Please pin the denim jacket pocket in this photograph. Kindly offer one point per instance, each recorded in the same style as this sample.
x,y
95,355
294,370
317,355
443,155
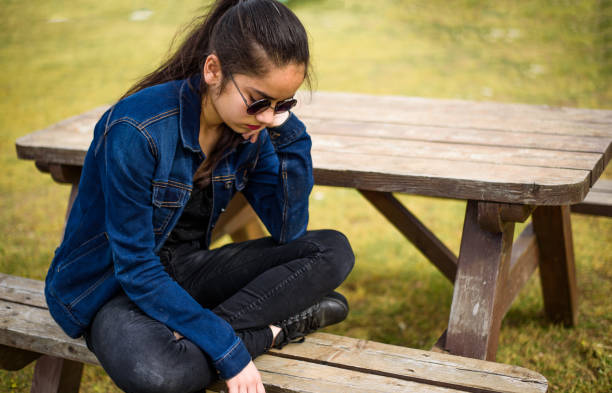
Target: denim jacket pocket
x,y
86,248
79,273
167,200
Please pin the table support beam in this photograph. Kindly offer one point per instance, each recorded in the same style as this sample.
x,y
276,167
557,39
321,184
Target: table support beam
x,y
56,375
14,358
523,263
478,298
552,225
415,231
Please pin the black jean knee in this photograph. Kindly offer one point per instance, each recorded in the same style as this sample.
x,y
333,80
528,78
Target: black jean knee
x,y
251,285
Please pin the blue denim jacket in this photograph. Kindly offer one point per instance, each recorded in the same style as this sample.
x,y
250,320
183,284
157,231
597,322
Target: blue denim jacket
x,y
136,179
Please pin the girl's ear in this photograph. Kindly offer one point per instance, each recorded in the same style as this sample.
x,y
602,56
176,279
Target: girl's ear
x,y
212,70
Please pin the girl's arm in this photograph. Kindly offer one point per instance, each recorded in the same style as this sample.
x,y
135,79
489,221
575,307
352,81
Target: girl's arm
x,y
279,186
127,162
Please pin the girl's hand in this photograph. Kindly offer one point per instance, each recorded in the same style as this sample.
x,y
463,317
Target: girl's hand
x,y
279,119
276,121
246,381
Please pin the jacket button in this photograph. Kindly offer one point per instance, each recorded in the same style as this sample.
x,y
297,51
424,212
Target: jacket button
x,y
228,185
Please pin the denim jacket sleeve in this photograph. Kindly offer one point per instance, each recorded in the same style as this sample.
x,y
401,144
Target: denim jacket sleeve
x,y
128,161
280,184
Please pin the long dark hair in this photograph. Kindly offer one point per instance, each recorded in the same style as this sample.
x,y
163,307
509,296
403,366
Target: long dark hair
x,y
247,36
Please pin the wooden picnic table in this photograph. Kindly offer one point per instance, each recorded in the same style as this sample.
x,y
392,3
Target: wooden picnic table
x,y
508,161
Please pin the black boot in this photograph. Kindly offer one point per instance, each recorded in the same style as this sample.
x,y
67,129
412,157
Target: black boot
x,y
332,309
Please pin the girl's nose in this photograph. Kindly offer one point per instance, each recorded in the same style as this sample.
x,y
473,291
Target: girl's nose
x,y
266,116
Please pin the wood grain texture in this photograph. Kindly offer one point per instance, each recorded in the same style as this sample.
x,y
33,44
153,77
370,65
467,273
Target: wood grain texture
x,y
282,375
452,179
552,225
425,366
33,329
448,148
22,290
323,363
450,133
598,201
603,185
56,375
523,263
458,113
74,191
478,297
63,173
13,359
460,152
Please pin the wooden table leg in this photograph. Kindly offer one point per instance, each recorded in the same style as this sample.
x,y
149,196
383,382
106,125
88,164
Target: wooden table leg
x,y
478,299
73,194
552,225
65,174
56,375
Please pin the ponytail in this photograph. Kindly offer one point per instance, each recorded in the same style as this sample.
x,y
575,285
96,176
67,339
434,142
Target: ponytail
x,y
247,36
189,58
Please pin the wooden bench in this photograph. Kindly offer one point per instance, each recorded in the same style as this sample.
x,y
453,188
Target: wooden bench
x,y
323,363
598,201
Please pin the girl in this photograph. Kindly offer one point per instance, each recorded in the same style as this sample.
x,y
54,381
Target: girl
x,y
134,274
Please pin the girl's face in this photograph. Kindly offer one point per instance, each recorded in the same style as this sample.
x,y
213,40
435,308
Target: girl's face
x,y
227,105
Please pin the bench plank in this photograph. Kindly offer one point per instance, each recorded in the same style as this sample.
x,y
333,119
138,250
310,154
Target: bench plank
x,y
299,376
598,201
603,185
401,362
324,362
22,290
33,329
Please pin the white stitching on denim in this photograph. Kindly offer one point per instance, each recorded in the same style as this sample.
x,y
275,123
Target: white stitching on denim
x,y
93,287
229,351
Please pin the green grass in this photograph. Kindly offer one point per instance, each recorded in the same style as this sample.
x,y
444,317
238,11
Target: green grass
x,y
541,52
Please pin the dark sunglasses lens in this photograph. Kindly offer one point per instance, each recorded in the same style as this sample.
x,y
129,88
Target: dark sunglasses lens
x,y
284,106
258,106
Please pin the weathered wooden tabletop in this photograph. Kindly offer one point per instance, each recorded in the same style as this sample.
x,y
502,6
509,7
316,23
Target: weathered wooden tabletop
x,y
505,159
509,153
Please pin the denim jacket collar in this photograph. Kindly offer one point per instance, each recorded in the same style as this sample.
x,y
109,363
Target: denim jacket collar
x,y
190,109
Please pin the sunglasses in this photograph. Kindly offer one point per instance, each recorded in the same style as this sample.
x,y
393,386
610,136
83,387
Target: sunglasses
x,y
263,104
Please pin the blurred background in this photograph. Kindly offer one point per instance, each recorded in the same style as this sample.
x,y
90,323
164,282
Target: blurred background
x,y
60,58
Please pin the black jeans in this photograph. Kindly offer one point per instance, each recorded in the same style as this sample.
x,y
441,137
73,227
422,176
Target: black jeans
x,y
251,285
